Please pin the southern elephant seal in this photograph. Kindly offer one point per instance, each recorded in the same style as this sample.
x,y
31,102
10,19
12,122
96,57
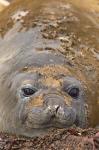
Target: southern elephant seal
x,y
40,88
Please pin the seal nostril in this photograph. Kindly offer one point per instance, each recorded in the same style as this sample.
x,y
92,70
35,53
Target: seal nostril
x,y
53,109
56,108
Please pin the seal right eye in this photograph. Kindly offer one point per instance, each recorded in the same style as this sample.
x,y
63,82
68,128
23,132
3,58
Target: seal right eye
x,y
74,92
27,91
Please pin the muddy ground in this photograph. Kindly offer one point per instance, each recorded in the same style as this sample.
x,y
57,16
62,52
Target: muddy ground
x,y
60,139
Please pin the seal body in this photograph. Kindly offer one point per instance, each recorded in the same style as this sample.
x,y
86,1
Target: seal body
x,y
3,4
40,88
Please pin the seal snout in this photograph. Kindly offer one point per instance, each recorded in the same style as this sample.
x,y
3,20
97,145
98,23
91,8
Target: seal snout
x,y
53,109
60,113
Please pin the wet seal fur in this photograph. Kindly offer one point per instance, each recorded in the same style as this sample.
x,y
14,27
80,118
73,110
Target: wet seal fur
x,y
40,87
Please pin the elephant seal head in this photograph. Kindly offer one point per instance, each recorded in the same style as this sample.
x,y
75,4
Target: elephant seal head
x,y
43,95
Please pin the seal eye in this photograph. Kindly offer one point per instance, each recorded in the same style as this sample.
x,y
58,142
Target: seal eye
x,y
74,92
27,91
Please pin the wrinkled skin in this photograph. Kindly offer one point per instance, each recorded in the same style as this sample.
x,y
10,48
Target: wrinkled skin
x,y
39,89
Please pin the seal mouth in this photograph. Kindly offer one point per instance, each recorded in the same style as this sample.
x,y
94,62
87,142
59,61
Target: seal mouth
x,y
50,120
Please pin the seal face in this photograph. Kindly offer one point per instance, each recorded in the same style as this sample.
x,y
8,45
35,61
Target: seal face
x,y
43,97
50,100
40,95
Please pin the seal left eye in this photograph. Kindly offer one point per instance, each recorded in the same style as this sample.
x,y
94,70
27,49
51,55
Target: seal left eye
x,y
27,91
